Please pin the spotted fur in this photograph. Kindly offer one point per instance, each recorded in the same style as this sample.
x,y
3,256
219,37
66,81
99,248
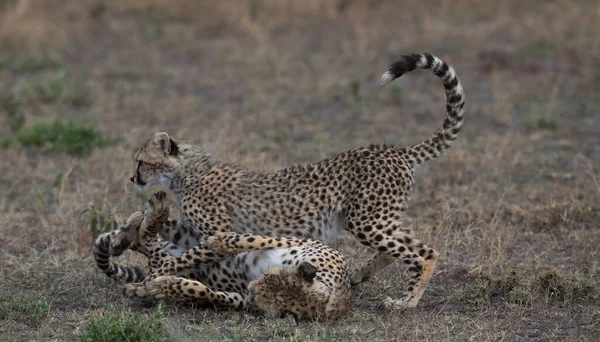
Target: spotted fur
x,y
364,191
277,275
102,253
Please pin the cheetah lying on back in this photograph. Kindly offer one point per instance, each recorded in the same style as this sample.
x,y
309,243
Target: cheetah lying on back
x,y
274,274
364,190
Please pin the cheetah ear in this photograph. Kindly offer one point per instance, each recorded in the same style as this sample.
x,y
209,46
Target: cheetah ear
x,y
165,142
307,271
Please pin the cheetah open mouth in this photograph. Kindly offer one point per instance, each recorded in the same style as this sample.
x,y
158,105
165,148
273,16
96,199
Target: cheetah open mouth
x,y
137,181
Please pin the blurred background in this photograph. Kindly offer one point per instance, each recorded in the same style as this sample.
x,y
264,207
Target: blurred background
x,y
513,207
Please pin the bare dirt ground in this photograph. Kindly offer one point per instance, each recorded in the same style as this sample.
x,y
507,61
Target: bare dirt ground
x,y
513,207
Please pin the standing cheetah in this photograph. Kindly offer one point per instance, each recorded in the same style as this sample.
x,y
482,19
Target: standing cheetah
x,y
364,190
277,275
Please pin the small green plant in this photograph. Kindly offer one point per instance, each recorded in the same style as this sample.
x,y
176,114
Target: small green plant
x,y
254,8
28,64
153,30
115,327
538,118
58,179
233,336
565,289
584,289
396,92
58,89
343,5
522,295
284,333
485,288
542,48
322,335
355,90
14,113
513,288
565,215
99,223
24,310
56,136
585,106
278,135
125,74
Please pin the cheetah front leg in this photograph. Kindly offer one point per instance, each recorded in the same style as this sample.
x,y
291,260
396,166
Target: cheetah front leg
x,y
180,234
145,240
197,255
147,288
190,260
178,288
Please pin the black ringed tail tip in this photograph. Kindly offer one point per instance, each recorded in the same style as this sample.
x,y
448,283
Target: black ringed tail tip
x,y
455,102
128,274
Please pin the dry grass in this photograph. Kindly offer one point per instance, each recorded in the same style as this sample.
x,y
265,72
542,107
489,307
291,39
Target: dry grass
x,y
513,207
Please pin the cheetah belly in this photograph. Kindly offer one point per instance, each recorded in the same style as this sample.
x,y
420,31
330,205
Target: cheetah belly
x,y
331,227
259,262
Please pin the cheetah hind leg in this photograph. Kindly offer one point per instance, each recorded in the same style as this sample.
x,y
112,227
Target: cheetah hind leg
x,y
220,245
420,259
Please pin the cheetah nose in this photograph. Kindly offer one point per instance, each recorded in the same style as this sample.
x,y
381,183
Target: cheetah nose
x,y
132,179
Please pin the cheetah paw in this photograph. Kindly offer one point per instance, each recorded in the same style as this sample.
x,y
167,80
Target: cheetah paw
x,y
163,288
395,304
126,236
135,220
142,290
218,243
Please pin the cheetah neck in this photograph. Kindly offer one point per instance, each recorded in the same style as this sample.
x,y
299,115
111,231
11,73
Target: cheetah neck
x,y
193,161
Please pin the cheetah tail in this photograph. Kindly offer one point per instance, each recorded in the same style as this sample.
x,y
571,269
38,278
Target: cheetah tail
x,y
455,102
127,274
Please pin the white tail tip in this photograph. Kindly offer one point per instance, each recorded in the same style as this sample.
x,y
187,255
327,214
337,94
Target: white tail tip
x,y
386,78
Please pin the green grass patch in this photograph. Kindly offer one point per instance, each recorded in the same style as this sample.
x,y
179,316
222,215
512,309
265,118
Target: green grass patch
x,y
511,287
125,74
116,327
396,92
14,114
99,222
56,136
319,334
541,48
57,89
539,118
483,289
585,106
564,289
24,310
29,64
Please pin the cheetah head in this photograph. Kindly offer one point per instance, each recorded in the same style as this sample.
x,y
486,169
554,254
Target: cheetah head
x,y
296,291
156,162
